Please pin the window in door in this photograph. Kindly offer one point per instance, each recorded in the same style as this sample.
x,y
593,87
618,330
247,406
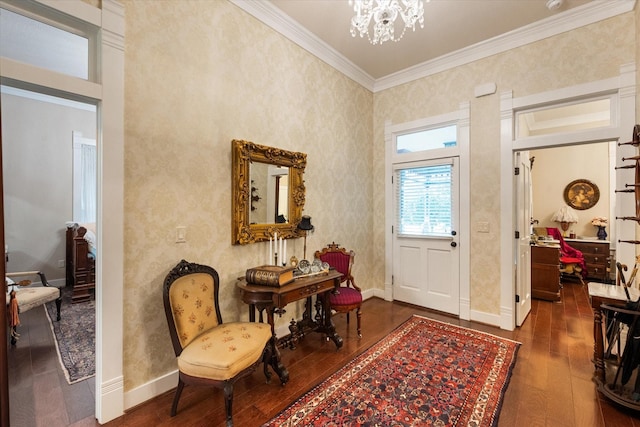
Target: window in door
x,y
424,200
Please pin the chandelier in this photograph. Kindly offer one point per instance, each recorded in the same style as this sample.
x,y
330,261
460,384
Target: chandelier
x,y
384,13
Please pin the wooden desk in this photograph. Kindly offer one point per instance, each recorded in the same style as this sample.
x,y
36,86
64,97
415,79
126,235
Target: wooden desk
x,y
274,299
601,293
545,272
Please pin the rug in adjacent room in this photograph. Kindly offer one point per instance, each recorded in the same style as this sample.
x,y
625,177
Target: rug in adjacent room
x,y
75,336
425,372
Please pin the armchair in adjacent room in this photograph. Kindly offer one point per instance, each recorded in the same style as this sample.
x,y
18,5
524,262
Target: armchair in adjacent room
x,y
348,296
208,351
22,297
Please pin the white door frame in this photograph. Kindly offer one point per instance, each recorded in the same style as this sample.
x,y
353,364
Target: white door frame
x,y
623,92
461,118
106,90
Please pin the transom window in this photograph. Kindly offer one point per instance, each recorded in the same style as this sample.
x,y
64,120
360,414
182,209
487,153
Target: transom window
x,y
429,139
569,117
35,43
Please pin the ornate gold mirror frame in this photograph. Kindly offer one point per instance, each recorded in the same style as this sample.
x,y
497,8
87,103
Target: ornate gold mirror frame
x,y
244,153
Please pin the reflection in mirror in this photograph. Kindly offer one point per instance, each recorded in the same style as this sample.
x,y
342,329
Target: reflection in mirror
x,y
268,192
282,203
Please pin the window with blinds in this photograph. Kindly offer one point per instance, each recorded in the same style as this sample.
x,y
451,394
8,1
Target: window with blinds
x,y
424,200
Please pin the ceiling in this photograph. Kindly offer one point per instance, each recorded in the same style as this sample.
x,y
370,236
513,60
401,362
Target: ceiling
x,y
452,29
330,20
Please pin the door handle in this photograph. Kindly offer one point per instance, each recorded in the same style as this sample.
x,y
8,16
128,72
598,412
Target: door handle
x,y
454,244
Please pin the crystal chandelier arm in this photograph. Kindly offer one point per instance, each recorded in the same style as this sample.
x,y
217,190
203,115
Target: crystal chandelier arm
x,y
384,14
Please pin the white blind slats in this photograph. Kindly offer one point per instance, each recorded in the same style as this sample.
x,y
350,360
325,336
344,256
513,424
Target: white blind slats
x,y
424,200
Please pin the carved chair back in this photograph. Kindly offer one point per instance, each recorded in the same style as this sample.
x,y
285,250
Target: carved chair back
x,y
191,305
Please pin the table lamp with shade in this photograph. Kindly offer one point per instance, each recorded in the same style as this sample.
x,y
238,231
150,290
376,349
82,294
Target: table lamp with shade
x,y
565,216
305,225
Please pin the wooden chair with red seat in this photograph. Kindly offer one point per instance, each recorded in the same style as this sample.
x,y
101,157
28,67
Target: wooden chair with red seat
x,y
348,296
572,261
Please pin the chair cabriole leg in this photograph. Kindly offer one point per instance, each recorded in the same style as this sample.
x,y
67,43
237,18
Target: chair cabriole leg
x,y
58,305
228,401
176,398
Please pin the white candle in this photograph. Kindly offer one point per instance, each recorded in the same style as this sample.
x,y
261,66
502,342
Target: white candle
x,y
270,251
281,252
284,253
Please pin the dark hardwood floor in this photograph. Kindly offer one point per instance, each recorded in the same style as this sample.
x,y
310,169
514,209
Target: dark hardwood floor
x,y
551,383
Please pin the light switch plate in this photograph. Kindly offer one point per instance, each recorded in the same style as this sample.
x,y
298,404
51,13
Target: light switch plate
x,y
181,234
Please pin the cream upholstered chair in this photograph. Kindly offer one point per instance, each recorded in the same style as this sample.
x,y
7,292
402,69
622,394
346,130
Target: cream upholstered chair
x,y
348,296
210,352
22,297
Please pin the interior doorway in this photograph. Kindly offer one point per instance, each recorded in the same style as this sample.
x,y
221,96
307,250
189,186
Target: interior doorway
x,y
551,170
619,94
99,33
38,176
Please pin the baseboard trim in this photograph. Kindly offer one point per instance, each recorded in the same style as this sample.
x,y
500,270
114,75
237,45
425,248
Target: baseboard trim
x,y
169,381
150,390
486,318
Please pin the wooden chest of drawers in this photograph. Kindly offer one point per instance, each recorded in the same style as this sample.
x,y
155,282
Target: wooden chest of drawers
x,y
545,273
596,256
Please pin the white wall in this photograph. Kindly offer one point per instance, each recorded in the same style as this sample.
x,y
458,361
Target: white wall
x,y
554,168
37,164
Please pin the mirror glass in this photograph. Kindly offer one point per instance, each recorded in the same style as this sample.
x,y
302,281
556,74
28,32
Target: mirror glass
x,y
268,192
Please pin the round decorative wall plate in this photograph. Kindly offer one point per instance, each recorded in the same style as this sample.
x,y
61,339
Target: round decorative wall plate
x,y
581,194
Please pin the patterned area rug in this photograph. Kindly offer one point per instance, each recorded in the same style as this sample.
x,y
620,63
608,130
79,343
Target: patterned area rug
x,y
75,336
424,373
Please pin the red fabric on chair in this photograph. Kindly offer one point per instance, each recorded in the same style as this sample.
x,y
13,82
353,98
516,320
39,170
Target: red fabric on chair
x,y
568,253
338,261
347,296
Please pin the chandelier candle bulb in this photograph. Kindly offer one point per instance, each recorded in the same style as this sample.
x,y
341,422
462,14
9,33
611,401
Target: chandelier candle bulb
x,y
382,15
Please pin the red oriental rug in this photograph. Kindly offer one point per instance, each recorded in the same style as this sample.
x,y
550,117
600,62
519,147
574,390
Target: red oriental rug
x,y
424,373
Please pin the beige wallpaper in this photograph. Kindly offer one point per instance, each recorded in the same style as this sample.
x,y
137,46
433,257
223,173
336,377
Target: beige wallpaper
x,y
199,74
591,53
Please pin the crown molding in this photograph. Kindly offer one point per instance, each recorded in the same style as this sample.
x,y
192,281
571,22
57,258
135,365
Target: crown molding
x,y
282,23
586,14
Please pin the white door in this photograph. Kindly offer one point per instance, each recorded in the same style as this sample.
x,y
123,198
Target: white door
x,y
524,216
425,256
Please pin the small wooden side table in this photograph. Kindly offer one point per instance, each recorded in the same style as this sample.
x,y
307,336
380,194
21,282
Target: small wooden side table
x,y
601,293
274,299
